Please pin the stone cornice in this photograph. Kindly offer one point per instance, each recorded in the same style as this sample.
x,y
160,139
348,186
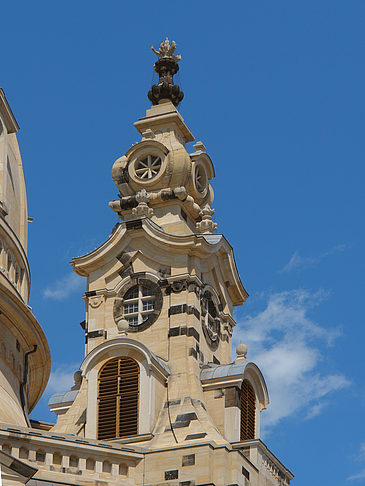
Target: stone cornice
x,y
168,116
118,343
7,115
51,439
193,245
19,316
13,242
247,444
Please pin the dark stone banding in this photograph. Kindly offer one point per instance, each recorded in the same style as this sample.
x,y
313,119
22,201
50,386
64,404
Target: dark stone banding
x,y
195,436
134,224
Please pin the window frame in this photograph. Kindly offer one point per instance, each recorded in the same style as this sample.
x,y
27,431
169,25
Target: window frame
x,y
248,408
126,378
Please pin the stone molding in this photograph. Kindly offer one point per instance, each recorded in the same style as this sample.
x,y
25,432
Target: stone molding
x,y
116,347
231,375
158,240
7,115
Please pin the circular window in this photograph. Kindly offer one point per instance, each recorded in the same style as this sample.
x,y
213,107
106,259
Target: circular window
x,y
139,305
210,321
148,167
200,178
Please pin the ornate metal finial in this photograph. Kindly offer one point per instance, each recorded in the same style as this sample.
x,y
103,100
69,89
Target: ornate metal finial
x,y
166,67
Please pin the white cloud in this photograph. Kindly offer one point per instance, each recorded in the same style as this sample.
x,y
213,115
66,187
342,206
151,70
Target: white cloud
x,y
362,452
316,410
360,475
61,378
61,289
286,343
360,457
297,262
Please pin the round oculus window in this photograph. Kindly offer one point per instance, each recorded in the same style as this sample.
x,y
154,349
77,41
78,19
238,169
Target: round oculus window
x,y
138,304
200,178
210,322
148,167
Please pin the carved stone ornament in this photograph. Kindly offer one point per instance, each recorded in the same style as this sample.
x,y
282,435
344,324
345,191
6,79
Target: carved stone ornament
x,y
96,301
142,210
183,284
206,225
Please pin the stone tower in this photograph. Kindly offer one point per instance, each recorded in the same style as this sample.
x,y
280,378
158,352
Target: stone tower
x,y
158,374
158,399
24,353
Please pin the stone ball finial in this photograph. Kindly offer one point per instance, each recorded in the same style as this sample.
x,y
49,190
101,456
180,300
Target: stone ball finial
x,y
123,326
77,380
77,377
241,351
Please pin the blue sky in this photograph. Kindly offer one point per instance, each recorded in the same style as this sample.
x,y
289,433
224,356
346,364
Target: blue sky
x,y
275,90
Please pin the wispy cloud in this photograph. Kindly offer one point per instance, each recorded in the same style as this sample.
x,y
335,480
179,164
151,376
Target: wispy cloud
x,y
360,457
297,262
61,378
63,287
288,346
354,477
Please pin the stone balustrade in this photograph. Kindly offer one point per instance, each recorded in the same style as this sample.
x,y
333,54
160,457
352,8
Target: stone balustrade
x,y
13,261
69,455
275,472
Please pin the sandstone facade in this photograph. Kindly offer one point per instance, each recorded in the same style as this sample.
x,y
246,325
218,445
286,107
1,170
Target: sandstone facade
x,y
158,399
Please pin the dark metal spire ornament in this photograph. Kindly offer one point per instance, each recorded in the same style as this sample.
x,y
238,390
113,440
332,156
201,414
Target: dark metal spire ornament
x,y
166,67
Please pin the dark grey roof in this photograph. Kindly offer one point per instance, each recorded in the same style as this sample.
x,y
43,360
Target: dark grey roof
x,y
65,397
222,371
20,467
212,239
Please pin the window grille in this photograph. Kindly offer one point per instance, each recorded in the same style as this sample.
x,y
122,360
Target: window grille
x,y
248,411
148,167
139,303
118,398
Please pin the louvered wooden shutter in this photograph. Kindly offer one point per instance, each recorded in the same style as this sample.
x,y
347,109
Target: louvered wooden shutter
x,y
248,411
118,394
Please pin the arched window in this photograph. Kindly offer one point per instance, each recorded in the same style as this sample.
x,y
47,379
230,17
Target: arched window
x,y
118,390
6,448
23,453
90,464
74,461
57,459
248,411
40,456
107,467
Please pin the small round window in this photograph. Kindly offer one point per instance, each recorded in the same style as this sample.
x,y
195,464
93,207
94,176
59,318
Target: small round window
x,y
148,167
200,178
210,321
138,304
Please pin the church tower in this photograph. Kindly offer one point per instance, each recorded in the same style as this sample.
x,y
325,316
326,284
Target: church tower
x,y
24,352
158,375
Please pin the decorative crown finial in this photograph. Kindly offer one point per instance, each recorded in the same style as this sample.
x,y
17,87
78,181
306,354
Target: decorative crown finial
x,y
167,50
166,67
